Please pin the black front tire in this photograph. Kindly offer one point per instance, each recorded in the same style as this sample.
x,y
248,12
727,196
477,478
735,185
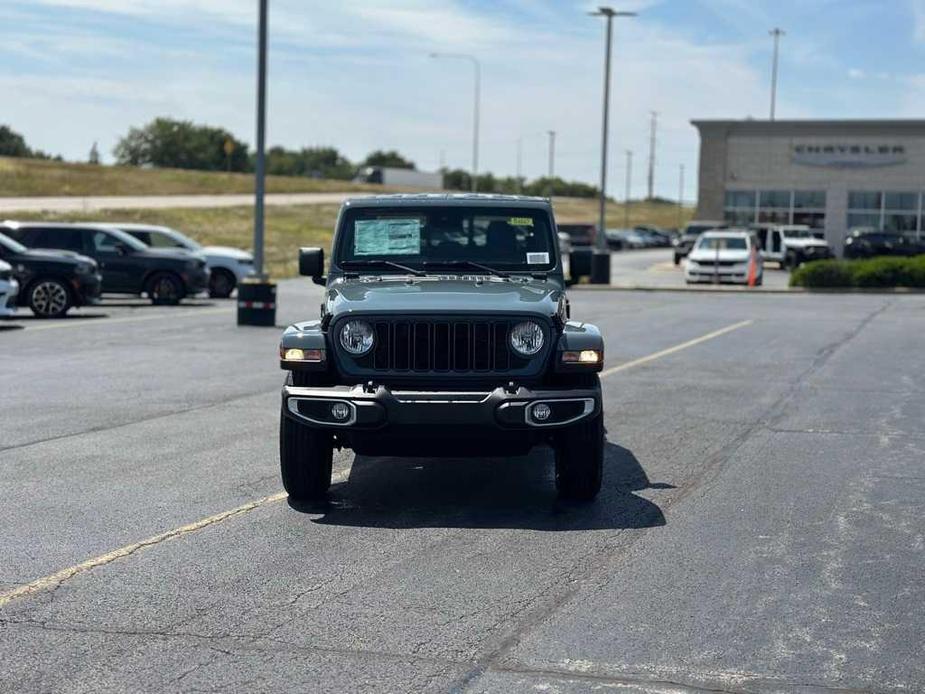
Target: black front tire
x,y
305,459
580,460
221,283
49,298
165,289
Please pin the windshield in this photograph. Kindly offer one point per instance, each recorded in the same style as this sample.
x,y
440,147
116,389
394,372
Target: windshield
x,y
127,239
172,237
722,243
514,239
11,245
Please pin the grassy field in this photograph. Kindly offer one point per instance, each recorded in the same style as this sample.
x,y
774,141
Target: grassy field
x,y
35,177
291,226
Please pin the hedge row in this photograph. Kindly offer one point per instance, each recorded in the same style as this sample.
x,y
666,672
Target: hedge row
x,y
868,273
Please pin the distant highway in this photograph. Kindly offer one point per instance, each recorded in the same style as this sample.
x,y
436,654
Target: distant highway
x,y
139,202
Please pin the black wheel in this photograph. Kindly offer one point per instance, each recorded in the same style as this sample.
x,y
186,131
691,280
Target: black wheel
x,y
790,261
580,460
305,459
165,289
49,298
221,283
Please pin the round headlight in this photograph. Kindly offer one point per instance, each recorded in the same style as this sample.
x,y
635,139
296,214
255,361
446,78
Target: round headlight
x,y
527,338
357,337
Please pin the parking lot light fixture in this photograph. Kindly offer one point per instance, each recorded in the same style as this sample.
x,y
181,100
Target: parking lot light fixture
x,y
477,67
600,269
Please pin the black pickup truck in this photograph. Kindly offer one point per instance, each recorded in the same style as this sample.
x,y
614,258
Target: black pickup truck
x,y
444,331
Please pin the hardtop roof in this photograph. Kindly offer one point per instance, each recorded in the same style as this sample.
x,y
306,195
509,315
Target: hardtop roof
x,y
449,200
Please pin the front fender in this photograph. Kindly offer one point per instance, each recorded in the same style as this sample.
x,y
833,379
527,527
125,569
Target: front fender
x,y
305,336
575,337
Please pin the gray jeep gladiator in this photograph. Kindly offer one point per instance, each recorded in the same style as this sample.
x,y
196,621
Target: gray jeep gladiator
x,y
444,332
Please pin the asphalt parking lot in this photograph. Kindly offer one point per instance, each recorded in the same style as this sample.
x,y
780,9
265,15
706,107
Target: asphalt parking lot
x,y
760,527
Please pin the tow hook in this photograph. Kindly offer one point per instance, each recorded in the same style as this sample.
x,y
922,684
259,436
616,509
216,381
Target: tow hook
x,y
369,387
510,388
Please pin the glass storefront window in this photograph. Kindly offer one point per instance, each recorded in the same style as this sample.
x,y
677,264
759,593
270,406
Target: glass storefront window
x,y
900,222
739,217
774,198
740,198
774,216
863,220
901,201
815,220
803,199
864,200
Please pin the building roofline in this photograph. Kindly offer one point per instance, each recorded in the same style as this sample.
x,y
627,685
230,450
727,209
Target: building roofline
x,y
867,122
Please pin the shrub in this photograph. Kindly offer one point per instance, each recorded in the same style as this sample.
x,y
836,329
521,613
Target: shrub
x,y
821,274
871,273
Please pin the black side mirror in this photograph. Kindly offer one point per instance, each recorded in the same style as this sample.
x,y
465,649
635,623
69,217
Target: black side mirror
x,y
122,249
311,264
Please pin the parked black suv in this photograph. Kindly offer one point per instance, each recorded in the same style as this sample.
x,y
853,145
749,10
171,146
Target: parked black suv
x,y
444,331
867,243
128,266
51,282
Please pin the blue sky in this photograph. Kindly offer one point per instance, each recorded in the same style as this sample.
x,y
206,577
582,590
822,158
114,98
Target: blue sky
x,y
356,74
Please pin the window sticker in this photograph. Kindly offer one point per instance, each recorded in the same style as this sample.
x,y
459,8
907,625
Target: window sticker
x,y
537,258
396,236
521,221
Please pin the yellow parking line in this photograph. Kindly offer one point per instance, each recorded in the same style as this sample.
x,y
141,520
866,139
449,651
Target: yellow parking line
x,y
56,579
671,350
74,323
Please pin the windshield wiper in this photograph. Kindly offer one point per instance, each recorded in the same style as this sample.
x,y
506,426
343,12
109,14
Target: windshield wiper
x,y
465,263
383,263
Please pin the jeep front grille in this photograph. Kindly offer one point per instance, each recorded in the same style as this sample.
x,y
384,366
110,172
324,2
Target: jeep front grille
x,y
442,346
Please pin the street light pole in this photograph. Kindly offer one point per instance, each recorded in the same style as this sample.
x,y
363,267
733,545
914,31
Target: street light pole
x,y
629,179
260,168
552,152
477,66
600,264
776,32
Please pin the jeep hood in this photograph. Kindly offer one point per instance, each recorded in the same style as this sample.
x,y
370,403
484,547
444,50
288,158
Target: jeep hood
x,y
399,295
805,243
710,255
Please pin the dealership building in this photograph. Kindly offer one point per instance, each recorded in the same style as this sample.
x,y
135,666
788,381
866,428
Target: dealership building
x,y
833,175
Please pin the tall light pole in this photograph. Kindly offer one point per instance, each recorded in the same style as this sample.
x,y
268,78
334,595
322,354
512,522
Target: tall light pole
x,y
260,164
680,195
520,157
651,178
629,179
776,32
477,66
552,152
600,263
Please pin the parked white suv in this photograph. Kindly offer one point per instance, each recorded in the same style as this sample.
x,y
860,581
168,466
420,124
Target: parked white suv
x,y
724,256
9,290
791,245
228,266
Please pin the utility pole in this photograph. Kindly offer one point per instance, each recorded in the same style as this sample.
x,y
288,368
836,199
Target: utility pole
x,y
680,195
629,179
552,152
600,262
776,32
520,156
477,67
260,164
651,181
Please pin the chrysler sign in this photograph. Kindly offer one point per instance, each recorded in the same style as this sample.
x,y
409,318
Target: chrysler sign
x,y
848,156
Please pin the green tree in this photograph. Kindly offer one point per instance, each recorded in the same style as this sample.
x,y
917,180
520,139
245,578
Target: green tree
x,y
169,143
389,158
12,144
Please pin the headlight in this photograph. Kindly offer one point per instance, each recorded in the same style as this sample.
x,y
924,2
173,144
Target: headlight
x,y
357,337
84,268
527,338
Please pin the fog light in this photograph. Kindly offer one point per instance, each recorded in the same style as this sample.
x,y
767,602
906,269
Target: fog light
x,y
340,411
541,412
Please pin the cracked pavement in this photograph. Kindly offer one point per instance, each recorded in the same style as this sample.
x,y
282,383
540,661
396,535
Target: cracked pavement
x,y
760,528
